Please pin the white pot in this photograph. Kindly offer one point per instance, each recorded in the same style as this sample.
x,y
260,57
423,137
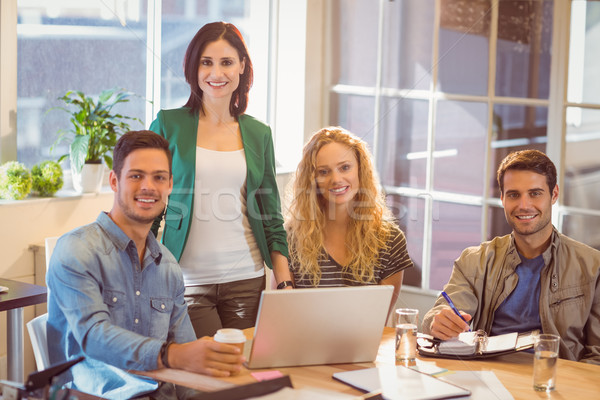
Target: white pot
x,y
89,180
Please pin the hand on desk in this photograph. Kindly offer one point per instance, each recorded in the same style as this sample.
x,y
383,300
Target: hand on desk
x,y
446,324
205,356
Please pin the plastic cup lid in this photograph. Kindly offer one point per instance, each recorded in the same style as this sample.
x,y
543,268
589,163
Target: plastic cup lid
x,y
229,335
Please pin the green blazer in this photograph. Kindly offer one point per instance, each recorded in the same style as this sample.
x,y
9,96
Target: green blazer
x,y
179,127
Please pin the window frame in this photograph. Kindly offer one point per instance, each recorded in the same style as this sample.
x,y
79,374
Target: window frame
x,y
556,104
8,81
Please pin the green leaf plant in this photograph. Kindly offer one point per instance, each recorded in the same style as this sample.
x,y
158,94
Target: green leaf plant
x,y
95,126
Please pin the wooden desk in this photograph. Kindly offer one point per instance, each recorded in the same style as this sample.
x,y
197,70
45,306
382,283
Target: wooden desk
x,y
575,380
19,295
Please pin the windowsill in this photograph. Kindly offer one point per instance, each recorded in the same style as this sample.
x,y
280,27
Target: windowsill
x,y
68,194
61,195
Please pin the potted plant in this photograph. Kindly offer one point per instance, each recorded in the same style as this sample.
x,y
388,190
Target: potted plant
x,y
94,133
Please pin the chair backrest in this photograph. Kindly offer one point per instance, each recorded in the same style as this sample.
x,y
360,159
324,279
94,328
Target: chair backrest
x,y
39,343
50,243
37,326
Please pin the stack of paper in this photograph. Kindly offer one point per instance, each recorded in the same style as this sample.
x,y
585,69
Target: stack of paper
x,y
465,344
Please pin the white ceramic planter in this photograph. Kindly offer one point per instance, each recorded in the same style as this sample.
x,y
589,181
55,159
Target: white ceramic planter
x,y
89,180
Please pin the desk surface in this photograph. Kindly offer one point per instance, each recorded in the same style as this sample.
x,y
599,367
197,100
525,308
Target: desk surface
x,y
20,295
575,380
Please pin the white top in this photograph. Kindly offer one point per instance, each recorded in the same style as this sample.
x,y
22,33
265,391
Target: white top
x,y
221,246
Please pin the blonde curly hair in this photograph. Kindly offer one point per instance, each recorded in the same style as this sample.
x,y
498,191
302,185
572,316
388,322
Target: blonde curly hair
x,y
371,222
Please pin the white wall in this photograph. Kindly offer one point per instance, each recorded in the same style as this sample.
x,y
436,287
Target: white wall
x,y
29,222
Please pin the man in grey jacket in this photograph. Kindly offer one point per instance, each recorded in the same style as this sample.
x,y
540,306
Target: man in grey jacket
x,y
534,278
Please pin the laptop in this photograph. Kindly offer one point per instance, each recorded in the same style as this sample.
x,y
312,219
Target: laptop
x,y
319,326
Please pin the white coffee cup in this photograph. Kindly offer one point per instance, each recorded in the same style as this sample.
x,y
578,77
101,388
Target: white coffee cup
x,y
231,336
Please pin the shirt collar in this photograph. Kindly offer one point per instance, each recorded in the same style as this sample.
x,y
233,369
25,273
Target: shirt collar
x,y
551,250
121,240
547,254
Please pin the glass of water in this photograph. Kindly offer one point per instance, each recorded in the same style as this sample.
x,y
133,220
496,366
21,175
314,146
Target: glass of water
x,y
406,334
544,362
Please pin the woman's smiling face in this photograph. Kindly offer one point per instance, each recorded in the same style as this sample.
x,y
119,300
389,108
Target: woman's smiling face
x,y
336,173
220,69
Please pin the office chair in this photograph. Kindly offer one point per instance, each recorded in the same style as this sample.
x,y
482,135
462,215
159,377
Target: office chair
x,y
37,326
50,243
39,343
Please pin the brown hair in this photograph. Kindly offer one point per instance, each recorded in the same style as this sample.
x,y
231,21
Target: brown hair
x,y
528,160
211,33
136,140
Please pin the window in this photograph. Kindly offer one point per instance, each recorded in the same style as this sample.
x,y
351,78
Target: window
x,y
581,187
442,90
85,46
94,45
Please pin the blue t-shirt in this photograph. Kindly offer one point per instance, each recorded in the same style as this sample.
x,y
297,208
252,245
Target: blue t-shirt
x,y
520,311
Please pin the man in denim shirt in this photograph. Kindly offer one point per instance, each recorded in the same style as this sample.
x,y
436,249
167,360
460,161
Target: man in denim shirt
x,y
116,293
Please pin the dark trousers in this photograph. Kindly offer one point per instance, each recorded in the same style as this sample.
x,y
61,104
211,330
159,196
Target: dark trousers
x,y
225,305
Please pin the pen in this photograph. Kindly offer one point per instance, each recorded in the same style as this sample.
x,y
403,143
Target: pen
x,y
453,307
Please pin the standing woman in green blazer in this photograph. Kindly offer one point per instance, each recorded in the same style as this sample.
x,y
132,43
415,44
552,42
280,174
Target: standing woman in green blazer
x,y
223,220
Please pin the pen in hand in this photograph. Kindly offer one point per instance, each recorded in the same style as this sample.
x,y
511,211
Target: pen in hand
x,y
453,307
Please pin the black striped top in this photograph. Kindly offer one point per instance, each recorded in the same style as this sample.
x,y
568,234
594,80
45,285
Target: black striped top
x,y
393,259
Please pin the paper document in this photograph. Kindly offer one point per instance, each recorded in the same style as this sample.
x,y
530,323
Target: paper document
x,y
525,341
504,342
483,385
399,382
429,368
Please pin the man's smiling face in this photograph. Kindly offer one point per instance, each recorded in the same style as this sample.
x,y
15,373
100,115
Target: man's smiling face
x,y
527,202
143,187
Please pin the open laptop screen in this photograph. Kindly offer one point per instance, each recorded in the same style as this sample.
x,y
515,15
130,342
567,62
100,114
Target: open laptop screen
x,y
319,326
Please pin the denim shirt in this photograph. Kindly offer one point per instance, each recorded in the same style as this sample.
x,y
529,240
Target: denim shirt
x,y
104,306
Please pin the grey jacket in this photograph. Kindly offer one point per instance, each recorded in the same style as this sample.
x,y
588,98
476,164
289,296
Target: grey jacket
x,y
484,276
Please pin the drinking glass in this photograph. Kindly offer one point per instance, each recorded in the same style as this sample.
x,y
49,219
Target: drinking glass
x,y
544,362
406,334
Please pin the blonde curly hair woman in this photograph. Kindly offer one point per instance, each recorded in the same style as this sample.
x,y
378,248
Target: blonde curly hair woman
x,y
340,231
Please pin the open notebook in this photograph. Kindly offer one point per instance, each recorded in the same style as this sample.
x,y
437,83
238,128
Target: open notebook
x,y
476,344
319,326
